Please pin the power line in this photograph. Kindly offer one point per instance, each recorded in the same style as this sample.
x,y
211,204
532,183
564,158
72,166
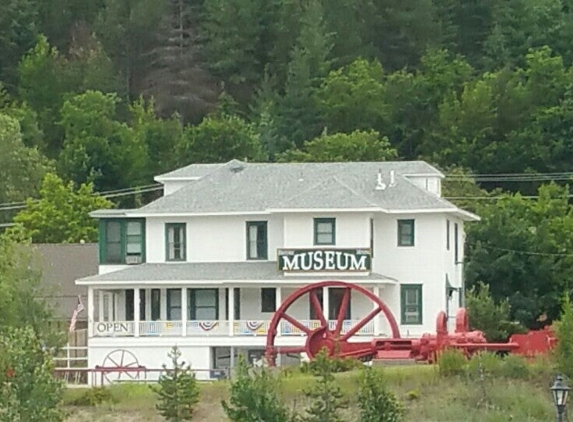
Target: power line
x,y
132,191
527,252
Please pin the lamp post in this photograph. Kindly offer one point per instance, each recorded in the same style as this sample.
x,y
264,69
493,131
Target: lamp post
x,y
560,392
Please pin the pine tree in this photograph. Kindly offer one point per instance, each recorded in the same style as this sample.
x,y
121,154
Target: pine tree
x,y
178,391
254,398
376,402
326,395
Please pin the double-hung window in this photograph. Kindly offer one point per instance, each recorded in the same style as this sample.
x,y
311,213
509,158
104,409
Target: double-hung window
x,y
122,241
411,304
324,231
203,304
257,240
175,242
173,304
406,232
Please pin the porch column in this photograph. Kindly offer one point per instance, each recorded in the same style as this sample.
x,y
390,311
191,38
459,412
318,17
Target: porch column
x,y
376,292
90,311
325,301
184,311
100,305
136,315
231,311
278,302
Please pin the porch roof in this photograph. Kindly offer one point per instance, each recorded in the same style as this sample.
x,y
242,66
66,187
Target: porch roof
x,y
218,272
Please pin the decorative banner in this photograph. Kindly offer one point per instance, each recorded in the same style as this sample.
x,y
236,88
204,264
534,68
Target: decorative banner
x,y
208,325
346,260
253,325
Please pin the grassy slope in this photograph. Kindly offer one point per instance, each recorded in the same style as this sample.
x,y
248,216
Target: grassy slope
x,y
426,396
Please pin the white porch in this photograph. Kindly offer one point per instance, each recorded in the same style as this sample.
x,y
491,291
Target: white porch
x,y
203,311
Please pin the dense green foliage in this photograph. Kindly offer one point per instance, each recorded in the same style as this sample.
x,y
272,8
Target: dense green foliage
x,y
377,403
564,334
28,390
177,390
254,397
116,91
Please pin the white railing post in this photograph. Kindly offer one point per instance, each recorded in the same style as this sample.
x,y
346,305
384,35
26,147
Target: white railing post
x,y
376,292
184,311
136,315
90,311
231,312
278,303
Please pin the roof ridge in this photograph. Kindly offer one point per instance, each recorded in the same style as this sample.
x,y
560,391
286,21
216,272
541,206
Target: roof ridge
x,y
433,195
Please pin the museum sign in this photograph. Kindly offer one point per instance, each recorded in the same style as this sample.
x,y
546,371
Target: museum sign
x,y
302,260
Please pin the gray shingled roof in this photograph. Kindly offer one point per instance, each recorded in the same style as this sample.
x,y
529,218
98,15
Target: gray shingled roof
x,y
205,272
191,171
258,187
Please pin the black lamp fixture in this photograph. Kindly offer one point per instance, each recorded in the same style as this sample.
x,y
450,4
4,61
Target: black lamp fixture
x,y
560,392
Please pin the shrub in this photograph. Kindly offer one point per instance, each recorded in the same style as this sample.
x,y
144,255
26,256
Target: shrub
x,y
28,389
485,363
515,367
564,334
177,390
376,402
335,365
451,362
490,317
254,398
326,395
93,397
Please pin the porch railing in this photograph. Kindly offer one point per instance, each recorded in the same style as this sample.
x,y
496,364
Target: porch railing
x,y
241,328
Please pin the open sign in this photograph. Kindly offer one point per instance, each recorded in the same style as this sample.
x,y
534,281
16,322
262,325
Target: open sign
x,y
113,327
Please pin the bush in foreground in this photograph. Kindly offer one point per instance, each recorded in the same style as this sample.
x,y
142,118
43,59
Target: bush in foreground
x,y
177,390
376,402
29,392
564,334
255,398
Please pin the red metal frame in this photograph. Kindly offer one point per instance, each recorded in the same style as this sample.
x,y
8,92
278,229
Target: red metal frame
x,y
426,348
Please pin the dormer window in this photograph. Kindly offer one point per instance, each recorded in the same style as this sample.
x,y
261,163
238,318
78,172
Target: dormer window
x,y
324,231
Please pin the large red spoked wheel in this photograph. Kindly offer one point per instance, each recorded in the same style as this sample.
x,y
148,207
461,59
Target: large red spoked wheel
x,y
336,342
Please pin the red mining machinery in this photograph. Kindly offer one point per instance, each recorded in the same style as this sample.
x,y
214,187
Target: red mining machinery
x,y
342,341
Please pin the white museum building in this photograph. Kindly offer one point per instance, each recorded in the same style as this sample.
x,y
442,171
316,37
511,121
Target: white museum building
x,y
205,266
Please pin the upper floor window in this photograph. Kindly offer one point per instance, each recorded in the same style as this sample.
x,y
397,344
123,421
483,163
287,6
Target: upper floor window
x,y
405,232
324,231
122,241
411,303
257,240
175,242
447,235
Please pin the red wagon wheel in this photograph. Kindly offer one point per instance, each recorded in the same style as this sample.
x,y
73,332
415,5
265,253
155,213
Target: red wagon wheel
x,y
336,342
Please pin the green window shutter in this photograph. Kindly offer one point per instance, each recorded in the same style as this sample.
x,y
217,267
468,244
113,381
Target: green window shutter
x,y
406,232
325,231
192,310
411,301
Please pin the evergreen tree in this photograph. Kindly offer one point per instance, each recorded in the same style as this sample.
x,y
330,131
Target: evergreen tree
x,y
254,398
177,390
326,395
376,402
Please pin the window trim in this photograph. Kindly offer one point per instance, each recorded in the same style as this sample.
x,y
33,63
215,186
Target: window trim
x,y
273,292
403,289
330,220
265,254
192,307
102,239
411,222
182,226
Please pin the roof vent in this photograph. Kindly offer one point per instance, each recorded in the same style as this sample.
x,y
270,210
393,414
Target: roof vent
x,y
236,167
392,179
380,185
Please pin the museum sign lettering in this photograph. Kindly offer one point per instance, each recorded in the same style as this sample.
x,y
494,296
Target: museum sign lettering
x,y
291,260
